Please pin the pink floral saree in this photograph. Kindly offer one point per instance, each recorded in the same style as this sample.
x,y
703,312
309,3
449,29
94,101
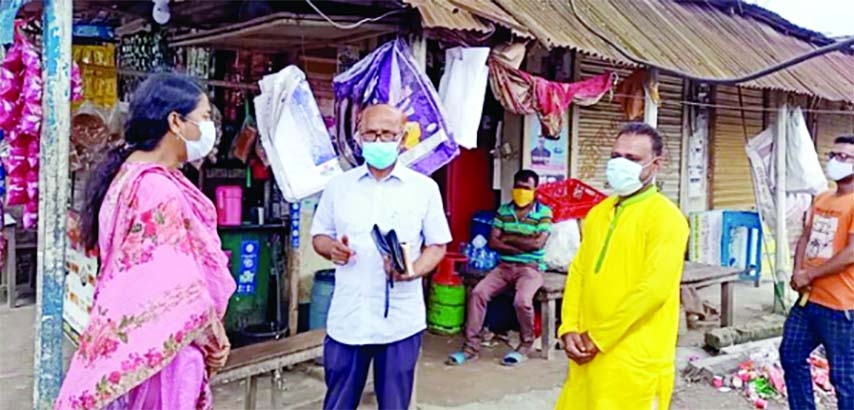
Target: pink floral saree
x,y
155,333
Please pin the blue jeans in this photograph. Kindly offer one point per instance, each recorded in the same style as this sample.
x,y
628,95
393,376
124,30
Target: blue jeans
x,y
806,328
346,371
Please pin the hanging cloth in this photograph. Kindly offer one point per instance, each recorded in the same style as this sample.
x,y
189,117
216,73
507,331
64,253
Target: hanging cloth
x,y
524,93
631,92
462,90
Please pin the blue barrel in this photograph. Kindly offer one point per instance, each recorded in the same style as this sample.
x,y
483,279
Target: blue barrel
x,y
321,297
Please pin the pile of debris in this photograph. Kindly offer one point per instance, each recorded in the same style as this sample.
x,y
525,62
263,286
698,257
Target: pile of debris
x,y
760,379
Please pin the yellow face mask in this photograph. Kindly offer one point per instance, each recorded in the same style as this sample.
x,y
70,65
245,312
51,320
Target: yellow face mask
x,y
523,197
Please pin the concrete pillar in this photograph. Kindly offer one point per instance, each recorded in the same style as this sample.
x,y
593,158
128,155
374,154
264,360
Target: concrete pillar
x,y
53,201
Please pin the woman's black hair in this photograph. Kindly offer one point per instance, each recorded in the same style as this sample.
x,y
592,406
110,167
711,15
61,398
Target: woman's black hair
x,y
146,125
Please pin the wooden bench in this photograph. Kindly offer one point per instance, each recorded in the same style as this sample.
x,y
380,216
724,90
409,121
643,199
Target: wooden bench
x,y
250,362
547,297
694,275
698,276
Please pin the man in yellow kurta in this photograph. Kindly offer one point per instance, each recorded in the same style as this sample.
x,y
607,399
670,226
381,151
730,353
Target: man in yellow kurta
x,y
621,303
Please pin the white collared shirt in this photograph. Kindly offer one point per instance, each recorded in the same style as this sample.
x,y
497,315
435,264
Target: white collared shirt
x,y
409,203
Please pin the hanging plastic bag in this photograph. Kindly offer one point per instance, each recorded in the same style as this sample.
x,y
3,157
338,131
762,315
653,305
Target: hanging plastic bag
x,y
562,245
241,148
391,75
803,169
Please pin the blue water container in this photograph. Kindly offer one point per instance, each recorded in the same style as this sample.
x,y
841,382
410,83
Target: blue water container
x,y
321,297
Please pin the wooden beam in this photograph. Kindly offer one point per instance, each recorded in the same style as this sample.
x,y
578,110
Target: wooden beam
x,y
54,186
781,260
686,145
650,107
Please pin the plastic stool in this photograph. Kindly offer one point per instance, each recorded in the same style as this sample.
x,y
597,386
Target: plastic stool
x,y
752,252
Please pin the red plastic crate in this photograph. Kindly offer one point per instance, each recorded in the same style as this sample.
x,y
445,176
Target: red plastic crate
x,y
569,199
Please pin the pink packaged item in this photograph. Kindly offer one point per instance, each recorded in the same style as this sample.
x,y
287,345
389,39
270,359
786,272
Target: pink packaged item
x,y
29,56
76,83
15,138
16,190
16,162
31,214
12,60
9,113
33,185
33,154
29,124
229,205
31,108
31,91
10,84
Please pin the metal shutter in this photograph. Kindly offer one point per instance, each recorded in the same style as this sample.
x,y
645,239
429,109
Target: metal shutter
x,y
732,184
599,124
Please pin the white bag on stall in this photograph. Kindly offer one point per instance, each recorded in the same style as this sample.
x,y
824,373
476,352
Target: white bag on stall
x,y
463,89
294,135
804,173
562,245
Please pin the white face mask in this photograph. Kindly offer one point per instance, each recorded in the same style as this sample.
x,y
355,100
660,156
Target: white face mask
x,y
624,176
200,148
837,170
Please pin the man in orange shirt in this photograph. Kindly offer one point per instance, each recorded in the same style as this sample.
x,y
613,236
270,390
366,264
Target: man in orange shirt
x,y
824,273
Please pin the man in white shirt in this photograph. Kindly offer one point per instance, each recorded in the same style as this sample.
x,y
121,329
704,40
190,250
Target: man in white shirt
x,y
373,319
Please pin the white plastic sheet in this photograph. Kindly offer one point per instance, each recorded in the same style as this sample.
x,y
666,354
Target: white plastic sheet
x,y
462,90
804,176
562,245
294,135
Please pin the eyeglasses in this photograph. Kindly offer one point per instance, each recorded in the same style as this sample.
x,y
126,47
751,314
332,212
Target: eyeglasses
x,y
373,136
841,156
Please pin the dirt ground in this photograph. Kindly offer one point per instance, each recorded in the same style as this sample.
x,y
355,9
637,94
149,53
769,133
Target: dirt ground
x,y
484,384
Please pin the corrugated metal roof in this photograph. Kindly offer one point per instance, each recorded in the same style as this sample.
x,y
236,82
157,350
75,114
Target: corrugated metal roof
x,y
695,38
493,12
442,14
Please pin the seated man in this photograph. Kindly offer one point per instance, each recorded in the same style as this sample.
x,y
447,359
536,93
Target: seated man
x,y
519,235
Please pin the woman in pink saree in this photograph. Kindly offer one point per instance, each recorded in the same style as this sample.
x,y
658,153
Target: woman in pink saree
x,y
155,334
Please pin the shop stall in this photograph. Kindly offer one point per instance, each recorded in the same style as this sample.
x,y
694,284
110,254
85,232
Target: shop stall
x,y
259,224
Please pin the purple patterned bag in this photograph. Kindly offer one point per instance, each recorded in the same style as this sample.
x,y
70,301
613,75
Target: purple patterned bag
x,y
390,75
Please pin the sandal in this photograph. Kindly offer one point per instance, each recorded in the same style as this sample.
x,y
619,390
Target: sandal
x,y
460,358
513,359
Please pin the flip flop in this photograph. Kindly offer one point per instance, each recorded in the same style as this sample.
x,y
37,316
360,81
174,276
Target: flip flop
x,y
460,358
513,359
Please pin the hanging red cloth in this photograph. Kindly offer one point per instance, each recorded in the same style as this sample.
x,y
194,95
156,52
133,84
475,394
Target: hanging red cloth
x,y
524,94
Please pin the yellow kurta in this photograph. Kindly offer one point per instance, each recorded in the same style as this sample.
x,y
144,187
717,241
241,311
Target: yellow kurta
x,y
623,288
